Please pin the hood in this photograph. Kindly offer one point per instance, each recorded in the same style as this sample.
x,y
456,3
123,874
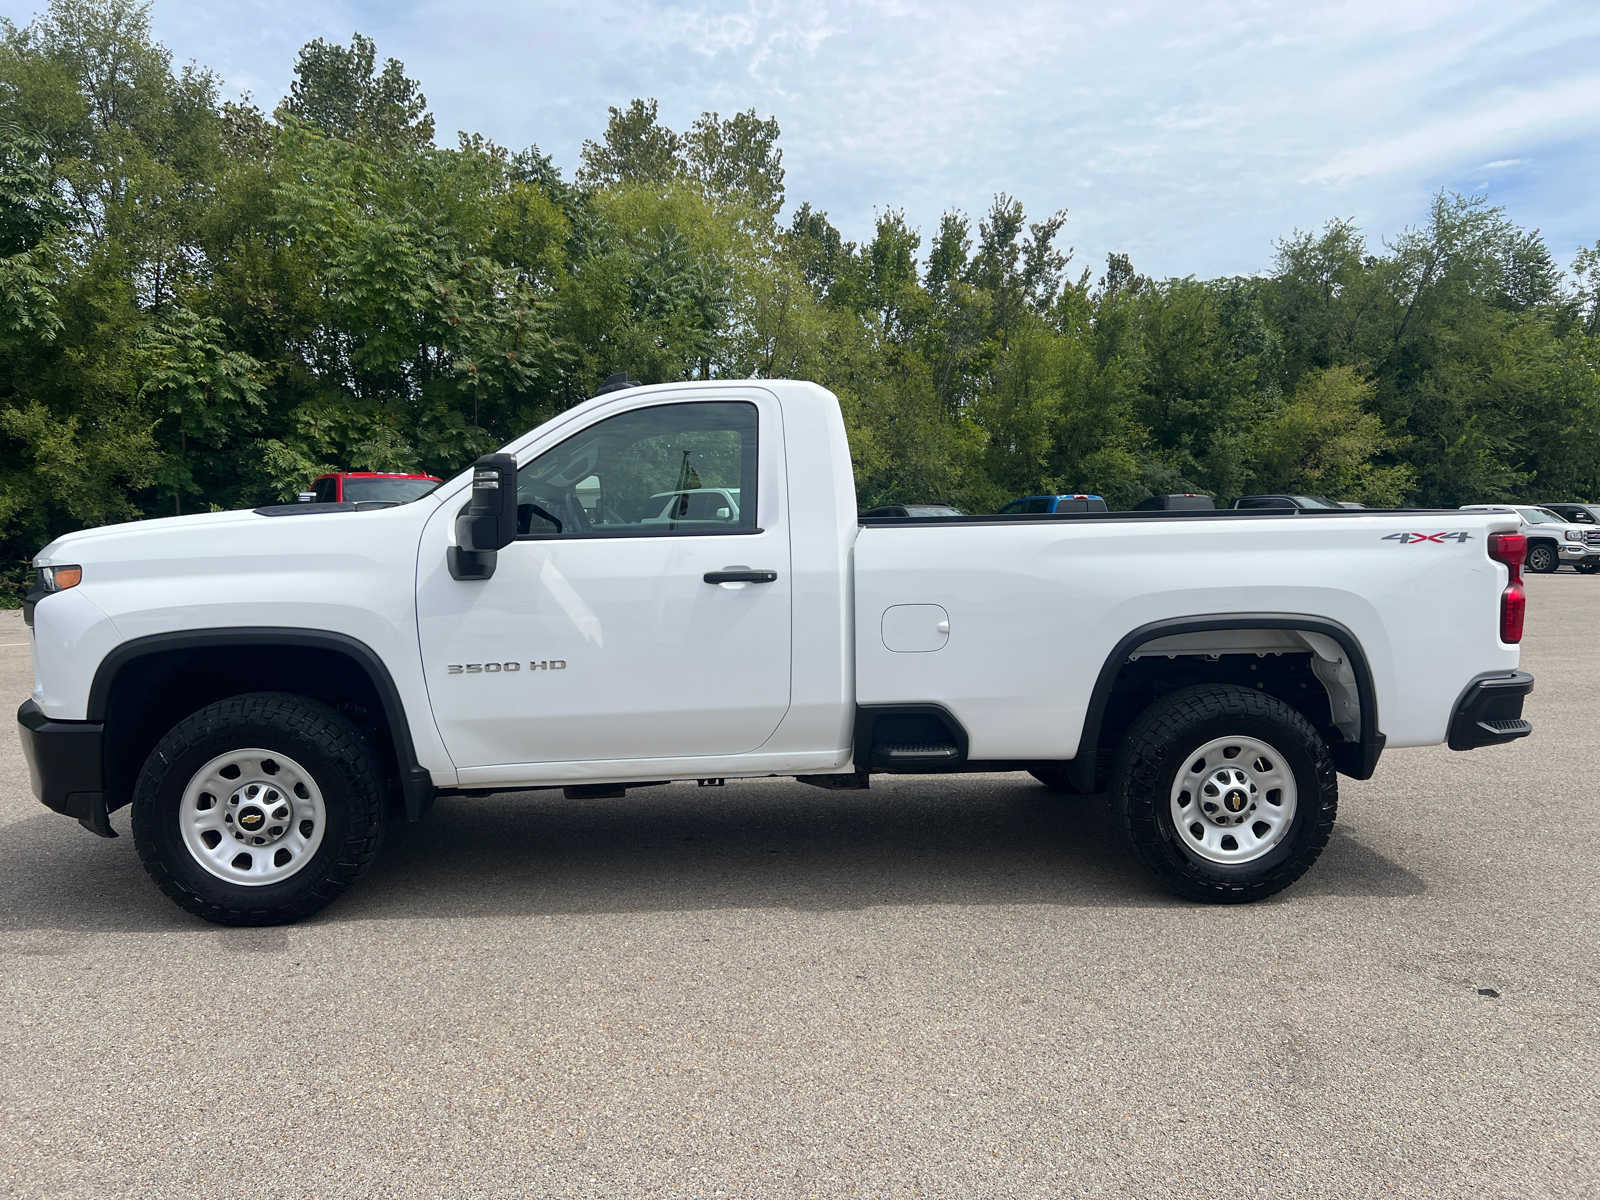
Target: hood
x,y
231,533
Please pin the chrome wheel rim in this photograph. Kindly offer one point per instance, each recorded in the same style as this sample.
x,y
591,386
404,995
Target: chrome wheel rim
x,y
1233,800
252,817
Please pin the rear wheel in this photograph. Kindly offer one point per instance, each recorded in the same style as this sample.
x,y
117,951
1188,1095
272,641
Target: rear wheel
x,y
1542,558
259,810
1225,794
1588,566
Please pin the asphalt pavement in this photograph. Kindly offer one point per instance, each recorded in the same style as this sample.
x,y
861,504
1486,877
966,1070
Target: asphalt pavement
x,y
956,987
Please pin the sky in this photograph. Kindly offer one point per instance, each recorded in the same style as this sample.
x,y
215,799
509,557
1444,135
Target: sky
x,y
1188,135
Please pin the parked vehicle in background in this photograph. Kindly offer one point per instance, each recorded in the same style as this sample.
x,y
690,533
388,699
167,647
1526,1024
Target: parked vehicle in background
x,y
1287,502
366,487
1072,502
1577,514
1551,539
914,510
1176,502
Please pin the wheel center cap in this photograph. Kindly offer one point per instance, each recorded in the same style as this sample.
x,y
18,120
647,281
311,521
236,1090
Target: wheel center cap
x,y
259,813
1228,796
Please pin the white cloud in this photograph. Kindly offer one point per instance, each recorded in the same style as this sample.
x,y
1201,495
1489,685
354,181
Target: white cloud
x,y
1508,119
1188,134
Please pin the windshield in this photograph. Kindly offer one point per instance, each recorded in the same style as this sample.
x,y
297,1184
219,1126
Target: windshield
x,y
1316,502
1540,516
932,510
400,491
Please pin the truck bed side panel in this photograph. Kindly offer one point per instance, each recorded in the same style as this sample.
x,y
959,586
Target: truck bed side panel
x,y
1035,608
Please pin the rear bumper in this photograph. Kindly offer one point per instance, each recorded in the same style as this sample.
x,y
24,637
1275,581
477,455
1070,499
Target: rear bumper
x,y
64,763
1489,712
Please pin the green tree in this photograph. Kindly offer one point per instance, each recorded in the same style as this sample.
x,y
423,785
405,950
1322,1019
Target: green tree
x,y
636,148
340,90
204,305
1325,441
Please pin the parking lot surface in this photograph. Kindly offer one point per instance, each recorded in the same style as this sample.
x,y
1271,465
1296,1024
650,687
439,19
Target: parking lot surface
x,y
953,987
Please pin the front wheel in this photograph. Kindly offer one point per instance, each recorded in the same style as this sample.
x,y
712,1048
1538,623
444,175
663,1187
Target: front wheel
x,y
1543,559
259,810
1225,794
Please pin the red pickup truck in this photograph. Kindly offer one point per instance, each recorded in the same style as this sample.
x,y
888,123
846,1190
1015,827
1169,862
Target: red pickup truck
x,y
358,486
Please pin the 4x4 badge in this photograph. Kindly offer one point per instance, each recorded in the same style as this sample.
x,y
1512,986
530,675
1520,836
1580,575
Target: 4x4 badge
x,y
1406,539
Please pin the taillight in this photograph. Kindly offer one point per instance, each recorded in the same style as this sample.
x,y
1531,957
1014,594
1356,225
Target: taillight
x,y
1513,607
1511,549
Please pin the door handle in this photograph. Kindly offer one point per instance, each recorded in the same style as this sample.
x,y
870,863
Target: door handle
x,y
740,574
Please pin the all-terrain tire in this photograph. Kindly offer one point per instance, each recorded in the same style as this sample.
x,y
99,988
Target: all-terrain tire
x,y
1163,740
1587,567
321,743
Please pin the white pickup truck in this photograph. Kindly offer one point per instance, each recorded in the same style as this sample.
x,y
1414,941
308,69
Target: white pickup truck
x,y
266,688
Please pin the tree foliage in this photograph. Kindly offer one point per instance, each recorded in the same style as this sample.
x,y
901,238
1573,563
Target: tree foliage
x,y
202,305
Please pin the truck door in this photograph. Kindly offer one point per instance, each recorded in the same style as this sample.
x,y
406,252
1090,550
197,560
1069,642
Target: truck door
x,y
599,636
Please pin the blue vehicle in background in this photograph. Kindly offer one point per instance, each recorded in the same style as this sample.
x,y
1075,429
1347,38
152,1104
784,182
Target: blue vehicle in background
x,y
1054,504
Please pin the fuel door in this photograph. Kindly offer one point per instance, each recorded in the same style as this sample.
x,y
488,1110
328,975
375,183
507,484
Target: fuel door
x,y
915,628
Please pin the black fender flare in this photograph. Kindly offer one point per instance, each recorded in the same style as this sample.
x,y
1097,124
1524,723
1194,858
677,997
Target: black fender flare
x,y
1357,759
415,781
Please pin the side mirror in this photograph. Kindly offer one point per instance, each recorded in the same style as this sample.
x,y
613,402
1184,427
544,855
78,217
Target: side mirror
x,y
307,497
489,522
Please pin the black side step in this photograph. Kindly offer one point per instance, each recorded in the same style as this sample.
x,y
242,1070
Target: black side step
x,y
1521,727
916,752
908,737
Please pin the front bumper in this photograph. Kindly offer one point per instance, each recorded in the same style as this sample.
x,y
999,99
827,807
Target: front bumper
x,y
1489,712
64,762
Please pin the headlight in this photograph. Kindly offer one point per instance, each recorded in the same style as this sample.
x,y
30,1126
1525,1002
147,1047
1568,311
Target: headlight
x,y
59,579
1574,535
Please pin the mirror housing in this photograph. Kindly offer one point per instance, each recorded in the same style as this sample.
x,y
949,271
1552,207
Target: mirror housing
x,y
489,522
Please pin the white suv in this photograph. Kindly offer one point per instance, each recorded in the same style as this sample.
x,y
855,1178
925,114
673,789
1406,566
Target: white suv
x,y
1551,539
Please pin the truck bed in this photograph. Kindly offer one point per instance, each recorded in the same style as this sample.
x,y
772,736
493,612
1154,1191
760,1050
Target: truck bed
x,y
1039,604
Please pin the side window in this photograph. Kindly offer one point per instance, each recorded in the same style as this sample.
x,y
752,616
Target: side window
x,y
1014,507
327,490
672,469
1038,504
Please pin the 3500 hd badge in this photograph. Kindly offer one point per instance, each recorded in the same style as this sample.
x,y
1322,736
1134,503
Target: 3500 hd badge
x,y
553,664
